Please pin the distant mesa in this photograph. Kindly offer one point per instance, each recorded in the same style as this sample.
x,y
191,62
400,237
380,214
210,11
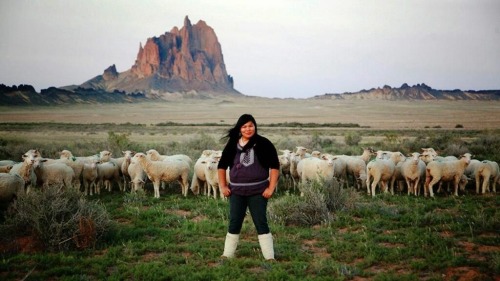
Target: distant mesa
x,y
416,92
182,60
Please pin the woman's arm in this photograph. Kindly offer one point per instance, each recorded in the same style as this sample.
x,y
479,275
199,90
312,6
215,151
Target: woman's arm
x,y
223,183
273,182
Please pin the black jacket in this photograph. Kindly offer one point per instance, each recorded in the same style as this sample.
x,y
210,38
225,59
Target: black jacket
x,y
264,150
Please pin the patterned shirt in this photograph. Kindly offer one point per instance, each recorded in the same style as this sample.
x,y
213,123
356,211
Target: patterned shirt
x,y
247,176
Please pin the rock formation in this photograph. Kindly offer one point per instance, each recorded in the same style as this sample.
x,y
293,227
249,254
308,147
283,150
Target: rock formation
x,y
416,92
182,60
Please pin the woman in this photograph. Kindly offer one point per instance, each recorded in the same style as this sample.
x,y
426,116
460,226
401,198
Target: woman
x,y
254,171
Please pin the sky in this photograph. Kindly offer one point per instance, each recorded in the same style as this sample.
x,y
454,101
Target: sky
x,y
273,48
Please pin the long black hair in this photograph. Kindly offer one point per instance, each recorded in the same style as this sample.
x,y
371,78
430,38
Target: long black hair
x,y
233,134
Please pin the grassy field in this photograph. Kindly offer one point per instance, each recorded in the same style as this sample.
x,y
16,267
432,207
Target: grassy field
x,y
396,237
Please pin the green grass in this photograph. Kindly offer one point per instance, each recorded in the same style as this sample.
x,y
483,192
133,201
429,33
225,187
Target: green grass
x,y
396,237
176,238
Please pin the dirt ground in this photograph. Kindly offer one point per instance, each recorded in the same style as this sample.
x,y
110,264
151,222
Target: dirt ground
x,y
367,113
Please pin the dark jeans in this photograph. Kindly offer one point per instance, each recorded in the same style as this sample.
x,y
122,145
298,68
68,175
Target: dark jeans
x,y
257,205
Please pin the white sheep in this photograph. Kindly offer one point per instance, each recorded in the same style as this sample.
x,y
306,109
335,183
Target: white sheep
x,y
7,162
108,173
25,169
11,185
485,172
137,176
154,155
382,172
167,171
67,158
355,167
212,177
295,158
340,171
316,169
89,177
199,181
6,169
284,159
368,152
413,172
58,174
445,171
127,156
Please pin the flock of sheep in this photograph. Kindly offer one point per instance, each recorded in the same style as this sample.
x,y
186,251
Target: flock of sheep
x,y
383,169
371,169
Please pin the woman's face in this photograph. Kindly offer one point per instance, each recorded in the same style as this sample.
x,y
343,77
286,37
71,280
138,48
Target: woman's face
x,y
247,130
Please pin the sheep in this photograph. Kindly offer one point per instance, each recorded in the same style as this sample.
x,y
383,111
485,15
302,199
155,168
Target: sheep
x,y
25,169
168,171
212,177
445,171
127,156
199,180
413,172
382,171
6,169
137,176
316,154
7,163
383,154
11,185
486,171
316,169
295,158
367,154
154,155
284,159
53,174
340,170
354,166
67,158
89,178
107,174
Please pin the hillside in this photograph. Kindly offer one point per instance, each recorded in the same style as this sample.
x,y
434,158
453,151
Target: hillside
x,y
416,92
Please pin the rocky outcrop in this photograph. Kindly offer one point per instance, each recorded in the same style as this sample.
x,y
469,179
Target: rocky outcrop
x,y
416,92
26,95
182,60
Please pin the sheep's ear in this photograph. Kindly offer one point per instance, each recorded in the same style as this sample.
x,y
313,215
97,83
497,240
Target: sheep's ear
x,y
43,160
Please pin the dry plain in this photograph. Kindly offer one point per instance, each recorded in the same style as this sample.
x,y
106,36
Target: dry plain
x,y
370,114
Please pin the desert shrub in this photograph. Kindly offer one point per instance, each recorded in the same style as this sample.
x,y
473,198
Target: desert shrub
x,y
317,206
459,126
118,142
352,138
58,220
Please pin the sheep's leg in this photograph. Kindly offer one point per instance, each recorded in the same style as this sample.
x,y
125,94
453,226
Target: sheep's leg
x,y
214,189
368,184
156,187
185,184
456,182
410,186
375,182
430,186
478,182
416,187
486,183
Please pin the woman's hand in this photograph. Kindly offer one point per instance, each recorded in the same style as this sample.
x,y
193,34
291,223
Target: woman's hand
x,y
225,190
268,192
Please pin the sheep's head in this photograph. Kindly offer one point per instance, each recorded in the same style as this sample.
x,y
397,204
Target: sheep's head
x,y
105,155
30,156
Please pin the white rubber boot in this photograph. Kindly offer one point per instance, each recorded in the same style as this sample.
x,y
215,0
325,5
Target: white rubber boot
x,y
266,246
230,245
